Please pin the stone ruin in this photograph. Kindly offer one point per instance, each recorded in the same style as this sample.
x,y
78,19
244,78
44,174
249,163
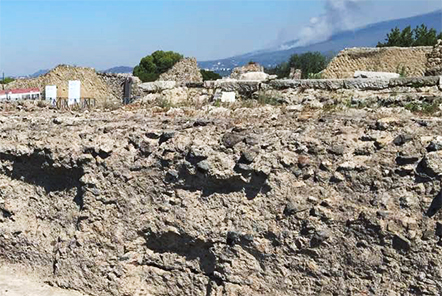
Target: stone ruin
x,y
434,63
105,88
183,72
251,67
409,60
295,73
184,81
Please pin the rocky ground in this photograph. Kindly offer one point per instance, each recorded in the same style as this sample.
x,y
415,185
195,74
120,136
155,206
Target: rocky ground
x,y
18,281
251,201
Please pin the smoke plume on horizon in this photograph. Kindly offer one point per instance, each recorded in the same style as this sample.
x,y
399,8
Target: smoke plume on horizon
x,y
339,15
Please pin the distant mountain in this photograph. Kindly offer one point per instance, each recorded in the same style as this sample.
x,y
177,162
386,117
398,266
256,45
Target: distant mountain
x,y
367,36
34,75
39,73
119,69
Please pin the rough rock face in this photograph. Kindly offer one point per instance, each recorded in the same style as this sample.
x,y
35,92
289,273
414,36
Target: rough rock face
x,y
265,201
157,86
434,63
103,87
410,60
252,67
115,81
183,72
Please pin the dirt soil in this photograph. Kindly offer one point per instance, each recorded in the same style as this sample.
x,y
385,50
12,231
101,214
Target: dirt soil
x,y
17,280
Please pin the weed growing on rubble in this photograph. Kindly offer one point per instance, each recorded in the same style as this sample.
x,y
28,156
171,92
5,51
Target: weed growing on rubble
x,y
330,107
402,71
424,107
265,98
165,104
250,103
268,100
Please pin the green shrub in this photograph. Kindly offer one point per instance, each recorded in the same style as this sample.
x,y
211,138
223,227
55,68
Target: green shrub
x,y
315,75
6,80
402,71
151,66
310,63
209,75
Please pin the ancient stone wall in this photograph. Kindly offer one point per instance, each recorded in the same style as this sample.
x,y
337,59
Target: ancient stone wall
x,y
251,67
104,87
92,84
410,61
115,82
434,63
295,91
183,71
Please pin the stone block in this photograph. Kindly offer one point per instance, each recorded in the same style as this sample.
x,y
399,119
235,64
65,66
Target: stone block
x,y
285,83
157,86
414,81
366,84
254,76
324,84
369,74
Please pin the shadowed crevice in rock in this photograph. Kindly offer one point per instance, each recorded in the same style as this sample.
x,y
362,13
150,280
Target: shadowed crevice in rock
x,y
209,184
38,169
5,213
435,206
183,245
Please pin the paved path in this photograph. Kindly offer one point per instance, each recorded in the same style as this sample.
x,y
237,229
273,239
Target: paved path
x,y
15,282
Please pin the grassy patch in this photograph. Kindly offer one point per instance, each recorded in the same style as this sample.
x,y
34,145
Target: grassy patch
x,y
330,107
424,107
264,99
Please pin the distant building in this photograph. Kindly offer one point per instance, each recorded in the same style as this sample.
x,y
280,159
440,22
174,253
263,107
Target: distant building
x,y
20,94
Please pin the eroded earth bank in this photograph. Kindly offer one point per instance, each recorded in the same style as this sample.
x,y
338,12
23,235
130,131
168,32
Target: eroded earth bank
x,y
252,201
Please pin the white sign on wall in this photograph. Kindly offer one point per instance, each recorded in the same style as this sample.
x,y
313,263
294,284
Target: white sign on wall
x,y
74,92
51,93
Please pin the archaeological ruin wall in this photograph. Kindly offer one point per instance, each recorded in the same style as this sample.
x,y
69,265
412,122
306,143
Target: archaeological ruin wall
x,y
183,72
103,87
410,61
434,63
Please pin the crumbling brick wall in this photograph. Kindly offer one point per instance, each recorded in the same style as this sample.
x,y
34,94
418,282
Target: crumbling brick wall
x,y
411,61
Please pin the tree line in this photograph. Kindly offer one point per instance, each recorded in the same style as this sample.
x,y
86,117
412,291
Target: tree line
x,y
419,36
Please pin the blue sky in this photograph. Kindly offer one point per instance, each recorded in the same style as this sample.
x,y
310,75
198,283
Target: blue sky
x,y
41,34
